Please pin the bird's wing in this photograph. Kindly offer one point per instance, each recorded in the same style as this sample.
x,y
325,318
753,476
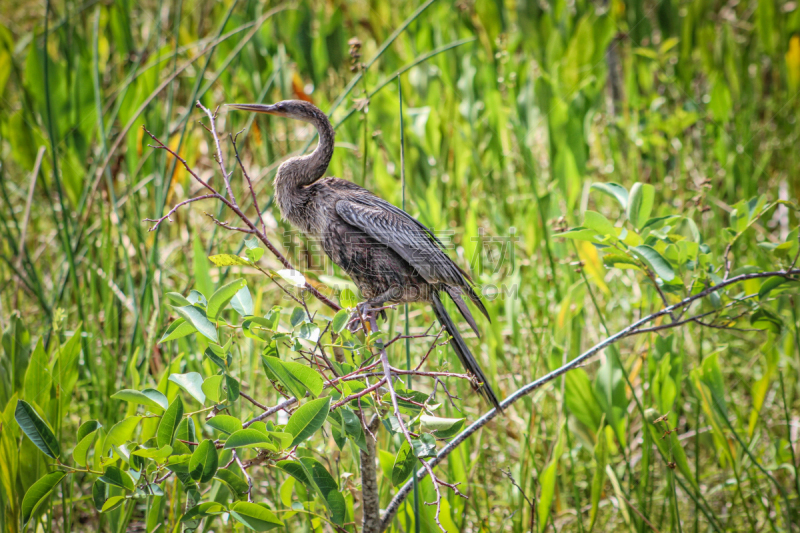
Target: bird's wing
x,y
396,229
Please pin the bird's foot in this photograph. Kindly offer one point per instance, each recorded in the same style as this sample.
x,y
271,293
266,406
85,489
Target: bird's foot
x,y
363,314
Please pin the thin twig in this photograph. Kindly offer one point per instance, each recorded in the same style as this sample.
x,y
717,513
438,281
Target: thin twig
x,y
168,216
246,476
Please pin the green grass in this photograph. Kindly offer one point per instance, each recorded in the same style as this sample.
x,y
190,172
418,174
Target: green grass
x,y
511,110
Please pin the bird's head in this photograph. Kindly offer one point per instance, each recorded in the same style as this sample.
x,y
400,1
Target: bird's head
x,y
294,109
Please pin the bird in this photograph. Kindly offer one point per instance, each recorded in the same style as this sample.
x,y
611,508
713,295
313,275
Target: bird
x,y
391,257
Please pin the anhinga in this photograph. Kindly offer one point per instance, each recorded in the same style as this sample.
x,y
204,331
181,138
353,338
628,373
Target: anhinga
x,y
391,257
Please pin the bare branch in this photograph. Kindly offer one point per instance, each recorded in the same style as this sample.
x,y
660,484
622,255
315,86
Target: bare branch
x,y
168,216
212,118
249,182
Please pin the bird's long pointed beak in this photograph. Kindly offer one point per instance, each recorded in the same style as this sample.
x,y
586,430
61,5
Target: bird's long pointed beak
x,y
255,108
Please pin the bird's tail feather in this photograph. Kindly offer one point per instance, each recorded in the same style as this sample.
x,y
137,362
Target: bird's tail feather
x,y
462,351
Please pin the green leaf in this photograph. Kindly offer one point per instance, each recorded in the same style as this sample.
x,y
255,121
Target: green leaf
x,y
99,494
406,399
211,388
655,261
197,317
309,332
118,478
296,470
169,422
154,453
242,302
177,299
442,428
36,429
223,296
270,320
254,516
249,438
202,275
178,329
298,316
425,446
120,433
308,419
204,509
37,378
225,423
192,383
597,222
340,320
327,487
112,503
204,462
353,429
599,477
226,260
347,299
38,493
216,358
640,204
232,387
404,463
254,254
149,397
85,441
580,234
295,377
615,191
236,485
547,482
87,428
284,440
770,284
766,319
293,277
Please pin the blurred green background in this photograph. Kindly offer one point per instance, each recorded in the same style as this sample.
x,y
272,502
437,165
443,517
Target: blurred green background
x,y
512,110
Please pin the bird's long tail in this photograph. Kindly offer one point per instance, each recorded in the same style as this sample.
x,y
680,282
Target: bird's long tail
x,y
462,351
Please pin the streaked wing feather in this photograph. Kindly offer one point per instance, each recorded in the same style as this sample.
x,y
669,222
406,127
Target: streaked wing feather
x,y
402,234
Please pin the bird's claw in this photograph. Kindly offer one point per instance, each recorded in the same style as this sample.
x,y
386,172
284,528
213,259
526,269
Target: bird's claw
x,y
363,314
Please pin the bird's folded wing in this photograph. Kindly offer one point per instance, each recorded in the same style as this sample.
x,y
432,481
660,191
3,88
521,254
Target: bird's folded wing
x,y
411,240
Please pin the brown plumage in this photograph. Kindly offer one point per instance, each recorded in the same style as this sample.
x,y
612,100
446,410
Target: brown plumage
x,y
391,257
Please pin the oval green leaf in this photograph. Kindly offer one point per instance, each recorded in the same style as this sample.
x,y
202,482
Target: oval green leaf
x,y
38,493
615,191
308,419
204,462
225,423
249,438
179,328
403,466
169,422
36,429
254,516
223,296
197,317
119,478
149,397
236,485
640,204
242,302
655,261
192,383
120,433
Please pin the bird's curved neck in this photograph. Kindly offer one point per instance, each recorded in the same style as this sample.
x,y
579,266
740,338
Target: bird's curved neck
x,y
302,171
